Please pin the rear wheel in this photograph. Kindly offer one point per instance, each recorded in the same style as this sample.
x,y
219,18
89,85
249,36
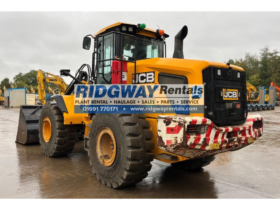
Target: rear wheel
x,y
193,164
55,138
120,149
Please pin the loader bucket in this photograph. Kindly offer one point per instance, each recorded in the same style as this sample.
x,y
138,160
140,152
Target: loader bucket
x,y
28,124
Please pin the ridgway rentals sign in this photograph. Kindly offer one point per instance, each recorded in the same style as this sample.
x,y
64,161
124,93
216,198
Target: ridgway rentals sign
x,y
136,98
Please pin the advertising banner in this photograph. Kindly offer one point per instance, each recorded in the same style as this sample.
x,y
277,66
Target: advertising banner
x,y
136,98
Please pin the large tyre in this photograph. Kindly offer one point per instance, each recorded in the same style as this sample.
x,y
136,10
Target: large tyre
x,y
120,148
193,164
55,138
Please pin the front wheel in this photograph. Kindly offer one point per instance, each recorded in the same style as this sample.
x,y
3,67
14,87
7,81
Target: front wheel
x,y
193,164
56,139
120,148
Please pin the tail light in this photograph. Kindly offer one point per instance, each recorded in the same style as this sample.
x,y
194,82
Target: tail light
x,y
258,124
196,129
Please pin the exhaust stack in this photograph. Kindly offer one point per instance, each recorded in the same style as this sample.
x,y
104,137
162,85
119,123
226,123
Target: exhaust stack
x,y
178,51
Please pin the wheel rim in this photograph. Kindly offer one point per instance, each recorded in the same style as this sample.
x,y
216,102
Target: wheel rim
x,y
47,129
106,147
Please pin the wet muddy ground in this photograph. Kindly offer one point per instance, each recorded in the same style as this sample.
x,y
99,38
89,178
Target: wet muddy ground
x,y
252,172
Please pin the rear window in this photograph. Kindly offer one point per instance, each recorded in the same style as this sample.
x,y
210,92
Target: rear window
x,y
171,79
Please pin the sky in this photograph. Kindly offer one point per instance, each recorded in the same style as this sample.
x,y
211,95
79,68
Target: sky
x,y
53,40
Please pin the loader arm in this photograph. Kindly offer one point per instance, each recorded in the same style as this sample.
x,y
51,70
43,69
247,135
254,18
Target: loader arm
x,y
251,87
49,78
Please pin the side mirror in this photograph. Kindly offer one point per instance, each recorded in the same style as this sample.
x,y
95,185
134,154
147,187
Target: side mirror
x,y
86,43
64,72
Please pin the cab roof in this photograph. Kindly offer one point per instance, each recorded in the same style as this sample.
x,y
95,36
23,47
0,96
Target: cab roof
x,y
153,34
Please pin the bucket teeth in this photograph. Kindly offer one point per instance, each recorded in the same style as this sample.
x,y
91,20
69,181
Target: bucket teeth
x,y
28,124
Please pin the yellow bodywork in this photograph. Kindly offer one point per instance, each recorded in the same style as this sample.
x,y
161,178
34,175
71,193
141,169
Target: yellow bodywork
x,y
192,69
146,32
49,78
71,118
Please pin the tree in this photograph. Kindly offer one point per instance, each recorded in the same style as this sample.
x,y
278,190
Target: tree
x,y
261,70
242,63
20,84
29,78
231,61
5,82
264,66
274,67
255,80
252,64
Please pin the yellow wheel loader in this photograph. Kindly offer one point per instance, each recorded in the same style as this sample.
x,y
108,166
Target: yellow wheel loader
x,y
122,146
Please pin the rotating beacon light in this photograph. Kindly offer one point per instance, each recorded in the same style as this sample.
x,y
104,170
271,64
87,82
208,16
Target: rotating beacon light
x,y
141,26
159,34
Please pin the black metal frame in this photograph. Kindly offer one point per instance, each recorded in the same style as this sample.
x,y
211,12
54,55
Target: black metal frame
x,y
114,53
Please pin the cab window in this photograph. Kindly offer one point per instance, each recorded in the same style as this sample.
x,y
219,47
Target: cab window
x,y
145,48
104,52
171,79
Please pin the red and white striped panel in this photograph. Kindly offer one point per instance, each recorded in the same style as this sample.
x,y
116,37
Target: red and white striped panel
x,y
172,134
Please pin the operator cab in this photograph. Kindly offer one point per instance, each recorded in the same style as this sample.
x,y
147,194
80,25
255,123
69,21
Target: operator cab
x,y
254,96
123,43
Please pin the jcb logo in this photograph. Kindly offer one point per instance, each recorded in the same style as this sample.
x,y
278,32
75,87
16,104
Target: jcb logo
x,y
147,77
230,94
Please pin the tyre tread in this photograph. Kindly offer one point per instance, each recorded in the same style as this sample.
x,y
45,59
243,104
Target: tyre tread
x,y
65,139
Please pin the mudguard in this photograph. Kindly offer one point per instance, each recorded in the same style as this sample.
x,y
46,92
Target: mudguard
x,y
60,102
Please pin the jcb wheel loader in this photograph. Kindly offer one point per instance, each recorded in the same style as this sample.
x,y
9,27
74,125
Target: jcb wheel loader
x,y
121,146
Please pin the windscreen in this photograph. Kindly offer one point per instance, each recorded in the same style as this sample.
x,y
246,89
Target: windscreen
x,y
145,48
